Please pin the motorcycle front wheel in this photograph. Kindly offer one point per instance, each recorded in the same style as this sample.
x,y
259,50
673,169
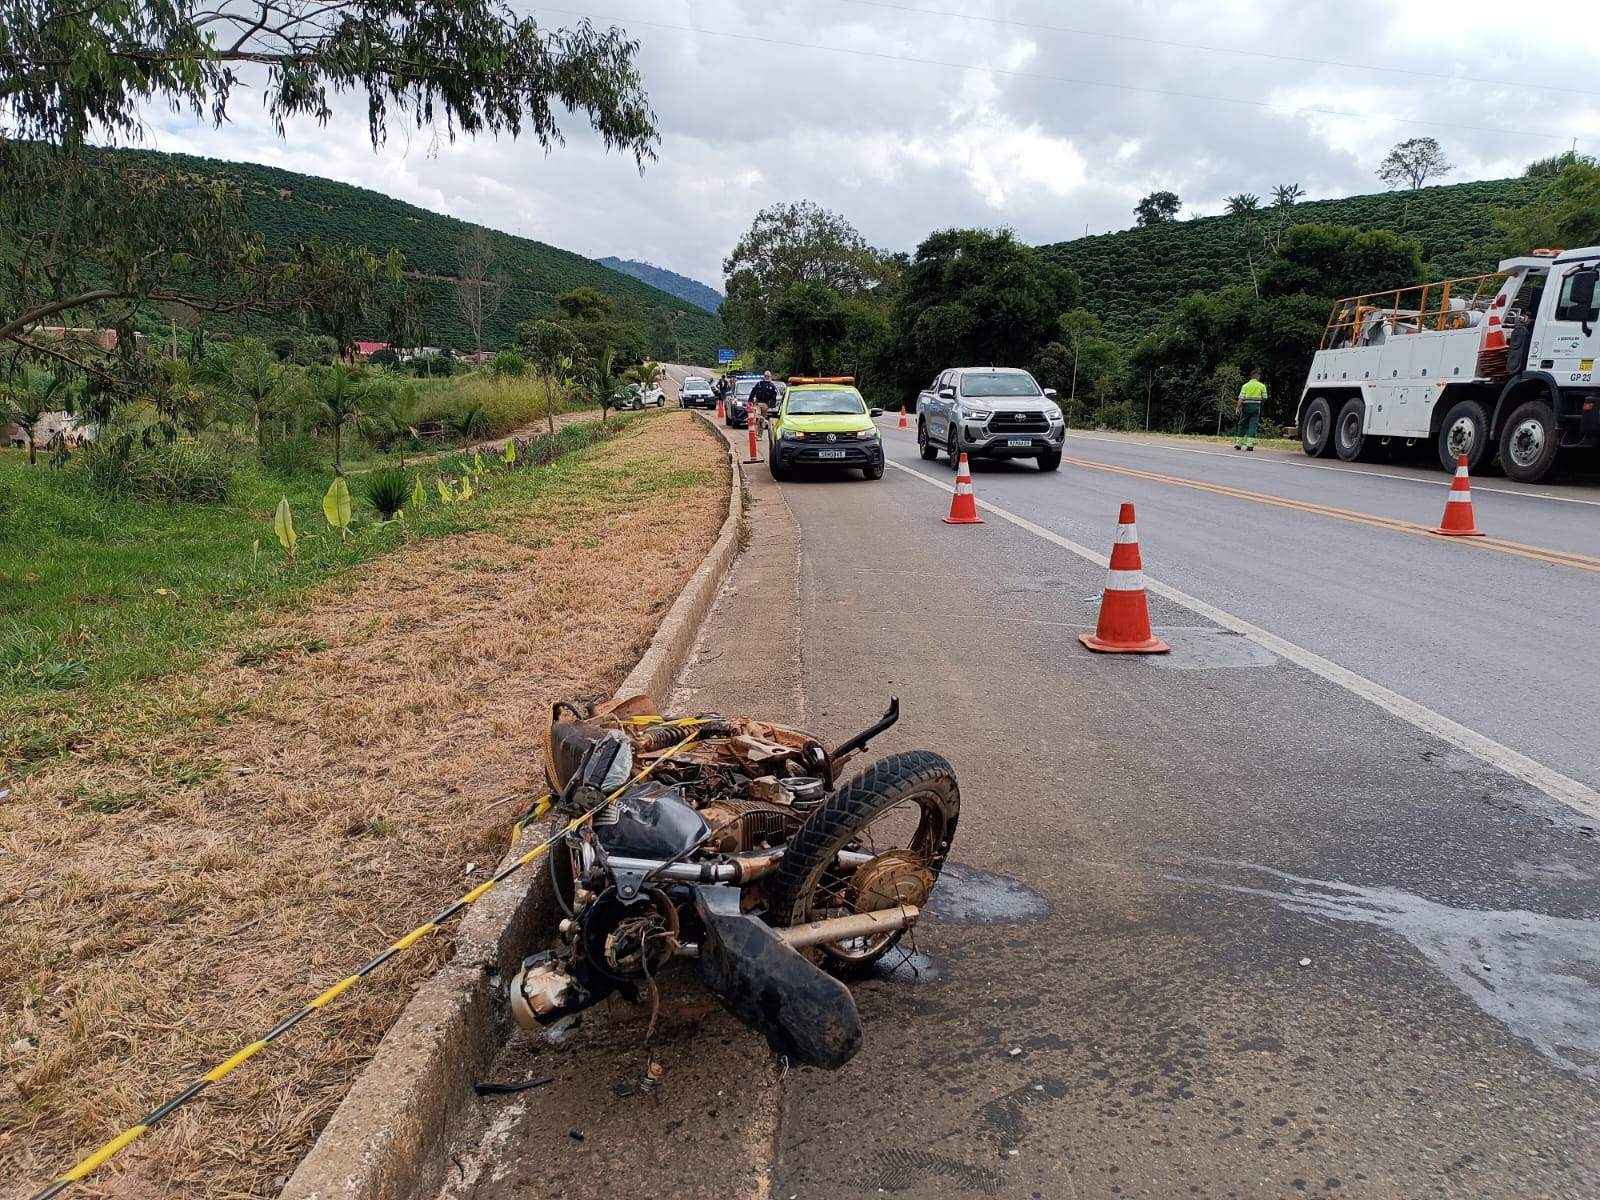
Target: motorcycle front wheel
x,y
905,803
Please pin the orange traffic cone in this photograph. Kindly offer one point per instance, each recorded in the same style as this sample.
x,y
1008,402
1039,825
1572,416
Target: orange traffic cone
x,y
719,408
903,424
1124,626
1458,520
963,505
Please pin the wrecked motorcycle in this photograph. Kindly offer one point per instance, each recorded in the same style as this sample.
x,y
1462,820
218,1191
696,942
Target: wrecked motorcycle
x,y
732,842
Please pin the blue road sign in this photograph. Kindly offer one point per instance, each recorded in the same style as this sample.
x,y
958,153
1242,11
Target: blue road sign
x,y
724,356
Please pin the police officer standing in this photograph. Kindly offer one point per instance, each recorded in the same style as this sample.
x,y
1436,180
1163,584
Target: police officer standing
x,y
764,395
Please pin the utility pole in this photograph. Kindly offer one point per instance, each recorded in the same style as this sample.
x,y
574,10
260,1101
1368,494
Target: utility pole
x,y
1149,383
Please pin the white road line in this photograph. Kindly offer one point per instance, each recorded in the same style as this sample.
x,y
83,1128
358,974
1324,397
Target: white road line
x,y
1274,460
1577,796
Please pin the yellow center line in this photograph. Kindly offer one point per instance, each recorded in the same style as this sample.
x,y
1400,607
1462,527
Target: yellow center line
x,y
1560,558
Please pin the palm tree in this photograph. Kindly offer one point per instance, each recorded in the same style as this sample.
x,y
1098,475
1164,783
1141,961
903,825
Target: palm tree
x,y
253,377
601,385
25,405
339,395
390,411
1286,195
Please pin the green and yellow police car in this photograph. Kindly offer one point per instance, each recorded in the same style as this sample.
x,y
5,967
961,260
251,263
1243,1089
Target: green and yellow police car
x,y
823,422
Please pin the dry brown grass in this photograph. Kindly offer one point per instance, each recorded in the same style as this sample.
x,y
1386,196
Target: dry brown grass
x,y
251,833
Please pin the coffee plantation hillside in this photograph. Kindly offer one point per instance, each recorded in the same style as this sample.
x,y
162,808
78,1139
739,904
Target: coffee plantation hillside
x,y
286,208
1133,278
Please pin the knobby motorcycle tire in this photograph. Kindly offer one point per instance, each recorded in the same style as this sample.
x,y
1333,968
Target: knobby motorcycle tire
x,y
845,814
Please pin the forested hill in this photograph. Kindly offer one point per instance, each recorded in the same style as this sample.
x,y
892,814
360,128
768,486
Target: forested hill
x,y
286,207
1133,278
690,290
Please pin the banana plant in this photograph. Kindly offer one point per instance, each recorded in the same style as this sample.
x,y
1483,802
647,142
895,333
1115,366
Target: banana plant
x,y
336,505
283,526
419,494
510,455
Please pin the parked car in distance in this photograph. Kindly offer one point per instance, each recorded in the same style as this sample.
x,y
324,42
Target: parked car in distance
x,y
638,396
990,412
734,412
696,392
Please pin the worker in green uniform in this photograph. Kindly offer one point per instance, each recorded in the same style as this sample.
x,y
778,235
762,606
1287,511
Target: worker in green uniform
x,y
1248,410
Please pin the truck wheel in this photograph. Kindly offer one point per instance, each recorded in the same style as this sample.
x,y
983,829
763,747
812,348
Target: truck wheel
x,y
953,447
1347,436
873,472
1316,429
907,804
1050,460
779,471
925,448
1465,431
1528,442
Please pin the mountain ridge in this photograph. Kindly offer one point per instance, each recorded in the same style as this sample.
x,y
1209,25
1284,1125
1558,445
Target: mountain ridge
x,y
686,288
287,206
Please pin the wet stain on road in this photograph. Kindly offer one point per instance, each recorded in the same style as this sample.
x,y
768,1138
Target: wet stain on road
x,y
1537,975
968,896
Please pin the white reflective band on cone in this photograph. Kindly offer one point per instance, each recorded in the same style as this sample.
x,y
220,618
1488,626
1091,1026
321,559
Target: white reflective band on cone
x,y
1124,581
1126,534
1460,498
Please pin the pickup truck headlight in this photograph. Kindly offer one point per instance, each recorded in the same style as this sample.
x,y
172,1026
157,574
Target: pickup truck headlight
x,y
868,433
972,414
791,435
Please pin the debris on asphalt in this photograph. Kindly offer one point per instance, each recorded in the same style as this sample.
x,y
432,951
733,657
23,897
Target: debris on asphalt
x,y
489,1088
1014,1051
575,1134
651,1077
1305,962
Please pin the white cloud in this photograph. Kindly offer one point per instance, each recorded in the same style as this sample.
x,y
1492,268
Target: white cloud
x,y
782,112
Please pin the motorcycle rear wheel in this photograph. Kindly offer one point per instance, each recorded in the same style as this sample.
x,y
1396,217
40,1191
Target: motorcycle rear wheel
x,y
909,802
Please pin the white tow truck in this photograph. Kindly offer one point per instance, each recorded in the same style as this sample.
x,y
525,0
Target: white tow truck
x,y
1504,360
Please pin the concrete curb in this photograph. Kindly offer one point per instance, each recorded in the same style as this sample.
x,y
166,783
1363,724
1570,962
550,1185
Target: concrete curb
x,y
387,1137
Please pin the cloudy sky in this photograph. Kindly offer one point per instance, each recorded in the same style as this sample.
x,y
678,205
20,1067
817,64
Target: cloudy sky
x,y
1044,116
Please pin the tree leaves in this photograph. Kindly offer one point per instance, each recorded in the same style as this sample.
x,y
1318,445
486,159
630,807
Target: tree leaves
x,y
336,504
103,237
283,527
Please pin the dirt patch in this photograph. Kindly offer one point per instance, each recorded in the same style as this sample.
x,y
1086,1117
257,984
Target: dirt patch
x,y
260,828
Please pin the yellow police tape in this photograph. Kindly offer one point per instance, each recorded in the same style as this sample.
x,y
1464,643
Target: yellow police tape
x,y
225,1068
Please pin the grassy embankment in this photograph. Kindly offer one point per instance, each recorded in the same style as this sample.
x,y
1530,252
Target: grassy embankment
x,y
239,777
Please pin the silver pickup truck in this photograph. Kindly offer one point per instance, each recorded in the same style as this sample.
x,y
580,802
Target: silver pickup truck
x,y
990,412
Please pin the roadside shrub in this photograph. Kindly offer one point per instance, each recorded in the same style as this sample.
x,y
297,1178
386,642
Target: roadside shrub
x,y
469,421
199,471
387,490
508,362
296,454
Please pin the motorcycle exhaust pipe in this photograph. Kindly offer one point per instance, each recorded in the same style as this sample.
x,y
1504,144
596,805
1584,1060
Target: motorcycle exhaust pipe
x,y
837,929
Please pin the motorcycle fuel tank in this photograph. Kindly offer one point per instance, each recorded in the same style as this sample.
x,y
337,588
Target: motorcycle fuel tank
x,y
649,821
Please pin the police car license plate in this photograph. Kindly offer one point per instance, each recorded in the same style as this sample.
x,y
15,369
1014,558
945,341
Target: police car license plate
x,y
1019,441
830,453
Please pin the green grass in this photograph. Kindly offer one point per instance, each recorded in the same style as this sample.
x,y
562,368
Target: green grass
x,y
100,595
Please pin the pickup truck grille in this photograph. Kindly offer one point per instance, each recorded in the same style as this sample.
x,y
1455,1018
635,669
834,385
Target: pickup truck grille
x,y
1018,422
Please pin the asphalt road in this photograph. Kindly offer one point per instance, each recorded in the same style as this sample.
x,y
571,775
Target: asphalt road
x,y
1503,638
1222,925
